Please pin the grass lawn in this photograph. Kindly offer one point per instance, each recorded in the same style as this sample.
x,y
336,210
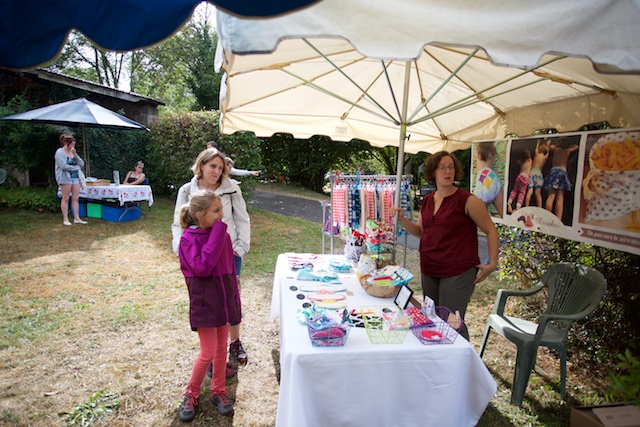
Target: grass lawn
x,y
94,320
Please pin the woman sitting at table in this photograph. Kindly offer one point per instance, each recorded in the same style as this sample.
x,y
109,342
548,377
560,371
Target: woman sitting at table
x,y
136,176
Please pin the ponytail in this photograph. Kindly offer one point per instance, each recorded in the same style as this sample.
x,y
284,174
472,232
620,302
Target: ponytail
x,y
200,202
186,220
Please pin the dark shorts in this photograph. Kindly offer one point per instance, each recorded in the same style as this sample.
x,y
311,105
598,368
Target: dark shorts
x,y
238,261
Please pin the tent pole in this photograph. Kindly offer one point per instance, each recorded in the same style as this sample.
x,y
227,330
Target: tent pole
x,y
84,147
402,138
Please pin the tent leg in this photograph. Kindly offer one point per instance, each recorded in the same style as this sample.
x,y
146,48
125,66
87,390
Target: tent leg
x,y
401,139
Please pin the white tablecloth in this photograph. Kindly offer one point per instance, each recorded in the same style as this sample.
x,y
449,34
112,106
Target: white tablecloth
x,y
364,384
124,193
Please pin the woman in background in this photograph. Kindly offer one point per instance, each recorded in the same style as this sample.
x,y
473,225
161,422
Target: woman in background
x,y
136,176
68,167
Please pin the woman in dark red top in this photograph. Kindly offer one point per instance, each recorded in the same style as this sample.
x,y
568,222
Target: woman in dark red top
x,y
448,231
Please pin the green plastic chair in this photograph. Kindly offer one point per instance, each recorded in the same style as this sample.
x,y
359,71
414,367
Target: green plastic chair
x,y
574,291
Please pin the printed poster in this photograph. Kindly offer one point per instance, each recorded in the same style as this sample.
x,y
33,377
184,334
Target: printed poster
x,y
583,186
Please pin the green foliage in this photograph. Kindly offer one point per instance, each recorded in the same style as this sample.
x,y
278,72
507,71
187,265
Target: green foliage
x,y
625,382
100,404
305,161
177,139
33,199
26,145
202,79
114,149
180,71
525,256
465,158
160,72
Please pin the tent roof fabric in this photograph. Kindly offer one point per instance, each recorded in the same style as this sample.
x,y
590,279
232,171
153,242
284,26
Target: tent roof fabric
x,y
309,94
333,75
515,34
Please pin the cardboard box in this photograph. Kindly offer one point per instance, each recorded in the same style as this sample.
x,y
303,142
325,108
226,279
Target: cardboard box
x,y
94,210
128,212
617,415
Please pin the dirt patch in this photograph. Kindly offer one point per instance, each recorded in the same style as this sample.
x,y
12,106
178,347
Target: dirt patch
x,y
111,313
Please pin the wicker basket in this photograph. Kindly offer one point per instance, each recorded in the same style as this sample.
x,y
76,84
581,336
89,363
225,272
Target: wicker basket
x,y
378,291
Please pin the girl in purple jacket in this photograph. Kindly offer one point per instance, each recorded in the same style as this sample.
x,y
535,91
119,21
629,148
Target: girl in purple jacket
x,y
206,260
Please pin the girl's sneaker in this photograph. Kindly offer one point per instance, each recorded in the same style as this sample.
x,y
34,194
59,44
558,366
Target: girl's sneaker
x,y
188,408
225,407
236,351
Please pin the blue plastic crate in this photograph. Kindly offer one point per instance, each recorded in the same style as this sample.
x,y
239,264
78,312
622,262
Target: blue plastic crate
x,y
128,212
83,209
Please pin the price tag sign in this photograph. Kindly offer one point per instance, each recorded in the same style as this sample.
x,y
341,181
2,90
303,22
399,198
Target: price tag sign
x,y
403,296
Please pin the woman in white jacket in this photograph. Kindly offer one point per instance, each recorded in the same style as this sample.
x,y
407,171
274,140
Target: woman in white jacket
x,y
210,173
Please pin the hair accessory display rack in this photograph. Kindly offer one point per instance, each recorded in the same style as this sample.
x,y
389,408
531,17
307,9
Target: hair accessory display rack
x,y
356,198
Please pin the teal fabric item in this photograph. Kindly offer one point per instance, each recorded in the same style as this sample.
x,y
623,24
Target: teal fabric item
x,y
318,276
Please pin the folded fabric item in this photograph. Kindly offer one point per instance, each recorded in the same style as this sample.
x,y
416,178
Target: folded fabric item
x,y
431,335
398,275
326,296
332,332
339,266
318,276
417,317
381,281
316,287
331,304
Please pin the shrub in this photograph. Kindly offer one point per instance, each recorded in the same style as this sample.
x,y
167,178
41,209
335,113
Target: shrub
x,y
614,325
35,199
177,139
625,382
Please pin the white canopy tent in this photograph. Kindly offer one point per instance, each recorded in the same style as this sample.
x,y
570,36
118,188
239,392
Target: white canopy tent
x,y
417,78
453,95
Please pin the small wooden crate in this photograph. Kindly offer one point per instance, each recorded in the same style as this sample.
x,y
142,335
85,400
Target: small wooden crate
x,y
99,182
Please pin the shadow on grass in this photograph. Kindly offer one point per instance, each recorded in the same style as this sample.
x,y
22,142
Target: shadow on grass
x,y
552,411
32,235
207,413
275,357
492,417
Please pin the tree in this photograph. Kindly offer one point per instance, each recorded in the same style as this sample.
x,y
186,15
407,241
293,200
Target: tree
x,y
80,58
161,71
204,82
178,71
